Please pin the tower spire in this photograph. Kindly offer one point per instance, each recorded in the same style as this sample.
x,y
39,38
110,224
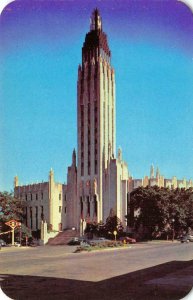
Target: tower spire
x,y
95,20
152,171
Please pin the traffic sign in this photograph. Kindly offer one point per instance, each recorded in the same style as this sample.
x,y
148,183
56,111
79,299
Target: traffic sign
x,y
13,224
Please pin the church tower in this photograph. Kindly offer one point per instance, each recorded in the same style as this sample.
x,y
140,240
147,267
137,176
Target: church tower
x,y
96,120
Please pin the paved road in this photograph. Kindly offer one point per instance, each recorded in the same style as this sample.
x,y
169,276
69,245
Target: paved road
x,y
152,271
57,261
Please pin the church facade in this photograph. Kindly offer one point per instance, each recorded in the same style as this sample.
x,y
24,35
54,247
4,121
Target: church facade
x,y
97,180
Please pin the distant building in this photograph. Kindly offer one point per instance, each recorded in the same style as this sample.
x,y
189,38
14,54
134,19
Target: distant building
x,y
160,181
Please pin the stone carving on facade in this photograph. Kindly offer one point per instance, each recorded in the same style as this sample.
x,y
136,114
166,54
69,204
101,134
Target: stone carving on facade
x,y
87,187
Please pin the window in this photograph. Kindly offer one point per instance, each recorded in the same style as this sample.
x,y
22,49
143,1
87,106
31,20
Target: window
x,y
31,197
65,210
42,212
36,217
95,205
31,219
89,167
26,197
88,206
82,169
95,166
36,196
81,207
59,196
60,209
42,196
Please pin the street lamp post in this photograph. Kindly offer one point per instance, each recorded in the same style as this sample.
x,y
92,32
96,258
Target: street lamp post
x,y
173,220
20,233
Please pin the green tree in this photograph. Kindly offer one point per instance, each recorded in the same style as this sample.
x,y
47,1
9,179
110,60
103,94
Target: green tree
x,y
155,210
112,224
10,207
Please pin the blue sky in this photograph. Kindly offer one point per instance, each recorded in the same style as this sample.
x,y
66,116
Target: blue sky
x,y
151,44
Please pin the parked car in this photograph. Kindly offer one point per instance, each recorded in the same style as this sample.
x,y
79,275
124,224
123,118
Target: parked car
x,y
2,243
186,238
102,239
128,240
31,242
74,241
84,243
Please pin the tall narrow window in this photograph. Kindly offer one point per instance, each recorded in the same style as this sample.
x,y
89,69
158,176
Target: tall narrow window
x,y
82,169
95,166
82,138
88,206
81,207
36,217
42,213
31,219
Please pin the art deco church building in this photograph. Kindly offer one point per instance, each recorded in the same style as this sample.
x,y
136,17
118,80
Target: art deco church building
x,y
99,181
101,178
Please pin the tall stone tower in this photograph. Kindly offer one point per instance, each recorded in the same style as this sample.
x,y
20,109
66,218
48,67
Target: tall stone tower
x,y
96,120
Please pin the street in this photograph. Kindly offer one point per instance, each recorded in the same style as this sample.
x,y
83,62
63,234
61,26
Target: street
x,y
159,270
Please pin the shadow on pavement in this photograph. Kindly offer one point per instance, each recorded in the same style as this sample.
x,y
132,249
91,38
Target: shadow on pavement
x,y
132,286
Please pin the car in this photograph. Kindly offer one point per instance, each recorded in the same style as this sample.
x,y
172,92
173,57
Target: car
x,y
186,238
102,239
84,243
74,241
128,240
2,243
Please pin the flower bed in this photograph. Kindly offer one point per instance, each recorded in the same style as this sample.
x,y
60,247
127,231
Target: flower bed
x,y
99,246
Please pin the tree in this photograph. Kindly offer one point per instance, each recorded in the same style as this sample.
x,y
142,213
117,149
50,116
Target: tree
x,y
12,208
113,223
155,211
